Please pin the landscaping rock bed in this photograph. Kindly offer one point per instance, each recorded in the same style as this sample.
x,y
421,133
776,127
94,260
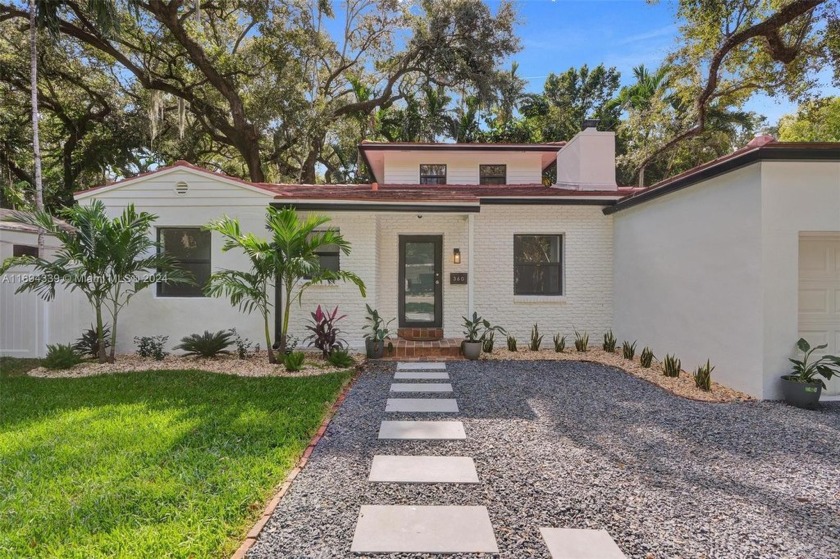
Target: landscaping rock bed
x,y
256,365
581,445
682,386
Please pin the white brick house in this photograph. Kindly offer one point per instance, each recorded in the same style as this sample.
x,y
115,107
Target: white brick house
x,y
730,261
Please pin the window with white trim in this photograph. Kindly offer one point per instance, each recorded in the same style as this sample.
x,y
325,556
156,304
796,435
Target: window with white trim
x,y
538,264
190,247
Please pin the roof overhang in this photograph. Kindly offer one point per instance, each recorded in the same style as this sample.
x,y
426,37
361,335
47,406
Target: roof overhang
x,y
355,206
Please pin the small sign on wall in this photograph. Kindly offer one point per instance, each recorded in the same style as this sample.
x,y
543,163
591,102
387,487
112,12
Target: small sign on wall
x,y
458,278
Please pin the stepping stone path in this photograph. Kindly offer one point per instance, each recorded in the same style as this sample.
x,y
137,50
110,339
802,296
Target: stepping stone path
x,y
444,529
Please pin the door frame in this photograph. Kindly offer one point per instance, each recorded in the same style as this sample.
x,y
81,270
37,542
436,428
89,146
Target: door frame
x,y
437,240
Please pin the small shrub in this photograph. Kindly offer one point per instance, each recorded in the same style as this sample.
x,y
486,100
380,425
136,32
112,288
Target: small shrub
x,y
151,346
294,361
489,342
703,376
511,343
609,342
671,366
61,356
646,358
341,358
88,344
559,343
536,339
208,344
242,344
628,350
291,343
581,341
325,332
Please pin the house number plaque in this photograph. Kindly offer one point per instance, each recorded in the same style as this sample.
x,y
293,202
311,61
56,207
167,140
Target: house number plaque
x,y
458,278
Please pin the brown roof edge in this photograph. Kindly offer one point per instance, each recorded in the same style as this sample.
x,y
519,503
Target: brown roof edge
x,y
474,146
776,151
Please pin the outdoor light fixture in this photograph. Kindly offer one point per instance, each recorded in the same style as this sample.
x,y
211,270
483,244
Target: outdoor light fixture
x,y
456,255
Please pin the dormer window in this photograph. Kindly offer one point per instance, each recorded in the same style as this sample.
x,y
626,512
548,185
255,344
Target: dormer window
x,y
432,173
492,174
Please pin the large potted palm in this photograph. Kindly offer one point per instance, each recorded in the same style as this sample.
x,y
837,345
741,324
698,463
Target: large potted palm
x,y
802,388
476,330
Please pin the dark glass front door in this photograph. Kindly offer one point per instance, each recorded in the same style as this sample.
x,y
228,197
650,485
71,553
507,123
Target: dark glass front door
x,y
421,303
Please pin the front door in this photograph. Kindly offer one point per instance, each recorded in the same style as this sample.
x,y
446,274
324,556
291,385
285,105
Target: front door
x,y
421,301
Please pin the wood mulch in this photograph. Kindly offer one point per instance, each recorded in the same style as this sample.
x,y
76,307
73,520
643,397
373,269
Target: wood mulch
x,y
681,386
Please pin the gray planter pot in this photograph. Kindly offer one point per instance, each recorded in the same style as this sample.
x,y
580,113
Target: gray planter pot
x,y
374,349
804,395
472,350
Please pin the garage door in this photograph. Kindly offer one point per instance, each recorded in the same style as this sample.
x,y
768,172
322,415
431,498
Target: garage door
x,y
819,294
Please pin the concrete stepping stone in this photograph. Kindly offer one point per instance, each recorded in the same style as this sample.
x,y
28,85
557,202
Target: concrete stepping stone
x,y
420,375
421,366
422,430
421,387
415,529
421,405
570,543
423,469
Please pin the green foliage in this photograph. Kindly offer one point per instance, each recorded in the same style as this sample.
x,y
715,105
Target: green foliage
x,y
646,357
61,356
477,328
816,120
88,343
243,345
289,256
559,343
294,361
671,366
375,325
108,260
151,346
703,376
326,335
340,358
805,370
609,342
628,350
208,344
536,339
511,343
489,342
581,341
111,462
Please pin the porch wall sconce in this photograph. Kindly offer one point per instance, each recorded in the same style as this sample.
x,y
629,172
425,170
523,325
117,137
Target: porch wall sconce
x,y
456,256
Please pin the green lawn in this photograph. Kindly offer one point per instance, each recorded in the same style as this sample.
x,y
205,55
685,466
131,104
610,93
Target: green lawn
x,y
154,464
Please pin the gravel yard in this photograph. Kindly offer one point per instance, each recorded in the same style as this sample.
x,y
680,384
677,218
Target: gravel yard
x,y
581,445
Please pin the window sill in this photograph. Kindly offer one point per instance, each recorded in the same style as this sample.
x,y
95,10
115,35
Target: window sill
x,y
539,299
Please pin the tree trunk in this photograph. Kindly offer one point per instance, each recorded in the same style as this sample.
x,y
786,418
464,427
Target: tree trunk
x,y
36,142
271,357
99,334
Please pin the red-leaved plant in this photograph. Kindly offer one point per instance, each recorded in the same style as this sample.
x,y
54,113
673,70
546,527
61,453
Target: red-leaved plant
x,y
325,333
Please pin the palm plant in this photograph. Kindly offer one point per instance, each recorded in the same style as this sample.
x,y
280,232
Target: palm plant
x,y
289,258
108,260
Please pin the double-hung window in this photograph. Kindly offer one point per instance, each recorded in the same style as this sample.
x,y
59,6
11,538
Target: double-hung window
x,y
190,247
432,174
492,174
538,264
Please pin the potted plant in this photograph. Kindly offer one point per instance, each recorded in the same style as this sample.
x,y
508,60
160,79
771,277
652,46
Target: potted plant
x,y
376,335
475,332
803,387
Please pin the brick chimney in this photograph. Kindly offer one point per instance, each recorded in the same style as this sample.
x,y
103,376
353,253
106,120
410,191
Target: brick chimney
x,y
587,161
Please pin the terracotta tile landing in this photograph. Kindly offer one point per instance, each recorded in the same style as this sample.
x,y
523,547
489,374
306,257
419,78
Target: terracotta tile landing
x,y
447,348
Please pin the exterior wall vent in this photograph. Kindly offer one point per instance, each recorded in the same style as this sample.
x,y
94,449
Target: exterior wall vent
x,y
181,188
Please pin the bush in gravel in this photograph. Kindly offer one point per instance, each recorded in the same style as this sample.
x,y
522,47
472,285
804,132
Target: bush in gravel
x,y
536,338
671,366
646,357
208,344
294,361
703,376
559,343
609,342
325,331
61,356
581,341
242,344
511,343
340,358
88,344
489,342
151,346
628,350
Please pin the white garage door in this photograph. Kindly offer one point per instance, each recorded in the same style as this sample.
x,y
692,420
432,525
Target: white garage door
x,y
819,294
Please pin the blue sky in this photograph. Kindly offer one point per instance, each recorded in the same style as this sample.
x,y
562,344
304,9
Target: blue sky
x,y
559,34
